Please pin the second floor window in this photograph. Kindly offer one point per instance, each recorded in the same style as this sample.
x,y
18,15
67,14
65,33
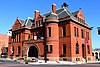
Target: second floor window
x,y
49,32
82,33
87,35
75,31
64,31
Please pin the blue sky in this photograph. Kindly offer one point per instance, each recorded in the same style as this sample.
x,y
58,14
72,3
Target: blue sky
x,y
10,9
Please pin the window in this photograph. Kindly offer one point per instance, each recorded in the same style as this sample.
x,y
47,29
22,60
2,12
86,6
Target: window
x,y
49,31
88,48
46,47
50,48
18,50
82,33
75,31
28,37
12,49
19,37
39,22
36,23
88,35
33,35
78,18
64,49
77,48
41,35
64,31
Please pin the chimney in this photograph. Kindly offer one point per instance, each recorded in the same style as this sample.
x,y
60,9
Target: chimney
x,y
54,8
36,14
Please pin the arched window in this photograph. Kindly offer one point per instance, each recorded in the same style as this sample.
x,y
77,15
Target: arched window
x,y
18,50
88,48
77,48
64,49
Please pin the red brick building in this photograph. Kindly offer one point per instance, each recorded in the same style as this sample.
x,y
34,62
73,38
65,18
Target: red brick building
x,y
65,34
3,42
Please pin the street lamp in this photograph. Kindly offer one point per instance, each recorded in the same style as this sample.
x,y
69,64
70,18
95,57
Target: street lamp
x,y
45,46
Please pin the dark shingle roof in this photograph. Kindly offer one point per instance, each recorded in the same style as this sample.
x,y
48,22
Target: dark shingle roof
x,y
63,15
75,13
59,10
28,22
52,15
21,21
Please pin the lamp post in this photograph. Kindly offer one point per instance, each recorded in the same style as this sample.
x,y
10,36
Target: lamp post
x,y
45,46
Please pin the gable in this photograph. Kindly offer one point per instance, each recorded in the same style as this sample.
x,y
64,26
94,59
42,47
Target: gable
x,y
17,25
80,15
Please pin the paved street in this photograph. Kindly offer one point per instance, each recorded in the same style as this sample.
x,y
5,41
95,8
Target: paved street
x,y
28,65
7,63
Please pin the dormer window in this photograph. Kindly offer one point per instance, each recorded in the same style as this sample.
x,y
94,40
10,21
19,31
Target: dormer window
x,y
38,23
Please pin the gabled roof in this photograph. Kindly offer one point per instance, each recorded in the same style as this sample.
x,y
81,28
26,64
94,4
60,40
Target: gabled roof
x,y
28,22
22,21
52,15
62,13
75,13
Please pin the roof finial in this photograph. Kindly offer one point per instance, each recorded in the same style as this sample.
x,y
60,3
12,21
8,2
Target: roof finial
x,y
80,8
64,5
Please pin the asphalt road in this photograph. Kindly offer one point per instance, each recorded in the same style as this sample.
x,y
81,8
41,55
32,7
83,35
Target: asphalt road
x,y
6,63
24,65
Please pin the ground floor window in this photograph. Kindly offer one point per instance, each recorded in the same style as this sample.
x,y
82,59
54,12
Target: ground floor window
x,y
64,49
88,48
49,48
77,48
18,50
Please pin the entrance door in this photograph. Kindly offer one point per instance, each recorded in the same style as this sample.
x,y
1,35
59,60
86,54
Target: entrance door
x,y
33,52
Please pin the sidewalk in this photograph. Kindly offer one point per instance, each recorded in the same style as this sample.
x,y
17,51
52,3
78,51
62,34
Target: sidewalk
x,y
48,62
56,62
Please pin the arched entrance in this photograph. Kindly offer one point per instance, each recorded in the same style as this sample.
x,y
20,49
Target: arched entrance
x,y
33,52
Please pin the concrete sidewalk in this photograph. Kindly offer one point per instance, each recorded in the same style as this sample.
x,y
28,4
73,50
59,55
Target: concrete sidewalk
x,y
55,62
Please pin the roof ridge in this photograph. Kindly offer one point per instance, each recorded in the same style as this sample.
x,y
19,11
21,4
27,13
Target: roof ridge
x,y
51,11
74,11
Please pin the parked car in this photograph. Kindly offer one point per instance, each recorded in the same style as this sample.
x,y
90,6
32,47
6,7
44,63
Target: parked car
x,y
4,55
